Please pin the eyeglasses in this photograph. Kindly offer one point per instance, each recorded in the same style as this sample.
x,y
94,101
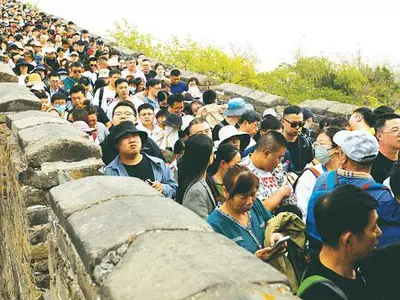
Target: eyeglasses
x,y
295,124
126,114
146,114
93,65
393,131
156,88
317,144
76,71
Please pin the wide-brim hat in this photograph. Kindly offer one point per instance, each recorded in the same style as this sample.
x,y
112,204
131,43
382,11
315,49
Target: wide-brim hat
x,y
127,127
33,79
22,62
82,125
228,132
40,67
237,107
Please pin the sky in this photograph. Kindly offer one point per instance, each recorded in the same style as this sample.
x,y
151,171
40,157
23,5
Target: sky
x,y
274,30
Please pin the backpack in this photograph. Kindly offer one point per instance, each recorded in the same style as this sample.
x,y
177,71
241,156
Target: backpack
x,y
314,280
313,170
330,184
101,95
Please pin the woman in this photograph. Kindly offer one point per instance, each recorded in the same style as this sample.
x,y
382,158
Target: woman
x,y
193,191
326,152
138,85
242,217
122,94
160,71
226,156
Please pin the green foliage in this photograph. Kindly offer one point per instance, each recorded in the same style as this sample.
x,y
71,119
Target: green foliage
x,y
307,78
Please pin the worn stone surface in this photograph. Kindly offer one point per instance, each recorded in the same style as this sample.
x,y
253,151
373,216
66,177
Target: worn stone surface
x,y
38,215
258,99
15,97
39,179
191,262
6,75
329,108
106,226
341,109
35,121
250,291
33,196
89,191
38,234
56,142
15,116
203,79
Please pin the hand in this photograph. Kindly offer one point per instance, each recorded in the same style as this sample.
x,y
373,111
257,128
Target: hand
x,y
205,112
285,190
267,252
275,237
158,186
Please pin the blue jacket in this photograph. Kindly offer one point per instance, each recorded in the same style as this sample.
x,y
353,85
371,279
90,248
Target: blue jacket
x,y
161,173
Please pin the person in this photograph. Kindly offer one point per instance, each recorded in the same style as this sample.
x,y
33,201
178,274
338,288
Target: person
x,y
125,111
131,69
236,107
176,104
362,118
177,86
159,68
193,191
59,102
147,71
22,69
76,70
242,217
131,162
226,156
308,123
161,116
271,147
327,153
387,132
358,152
348,224
162,99
210,111
153,86
92,71
194,88
55,85
199,125
229,134
147,121
250,123
383,109
101,131
299,146
104,96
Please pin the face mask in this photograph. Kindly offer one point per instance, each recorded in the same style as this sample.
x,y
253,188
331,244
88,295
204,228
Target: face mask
x,y
132,89
63,77
61,108
322,154
69,105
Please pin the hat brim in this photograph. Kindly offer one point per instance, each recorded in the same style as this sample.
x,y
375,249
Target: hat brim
x,y
340,137
16,68
142,134
244,140
237,112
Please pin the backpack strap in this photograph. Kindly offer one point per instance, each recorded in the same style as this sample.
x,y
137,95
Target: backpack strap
x,y
315,172
331,180
375,186
314,280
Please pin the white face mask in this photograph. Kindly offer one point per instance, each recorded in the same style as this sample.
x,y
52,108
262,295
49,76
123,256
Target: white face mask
x,y
322,154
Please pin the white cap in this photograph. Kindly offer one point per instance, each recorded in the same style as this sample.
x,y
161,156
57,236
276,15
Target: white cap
x,y
104,73
270,111
358,145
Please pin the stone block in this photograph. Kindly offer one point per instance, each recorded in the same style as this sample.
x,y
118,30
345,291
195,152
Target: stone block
x,y
105,226
190,262
203,79
33,196
38,215
15,116
40,266
340,109
15,97
318,107
38,234
6,75
89,191
35,121
56,142
39,251
38,179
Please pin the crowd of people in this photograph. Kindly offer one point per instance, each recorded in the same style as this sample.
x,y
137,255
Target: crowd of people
x,y
319,203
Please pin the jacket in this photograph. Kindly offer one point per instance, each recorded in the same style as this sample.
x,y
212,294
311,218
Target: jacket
x,y
199,199
161,173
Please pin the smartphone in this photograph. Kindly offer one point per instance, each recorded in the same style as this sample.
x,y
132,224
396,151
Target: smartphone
x,y
149,181
280,242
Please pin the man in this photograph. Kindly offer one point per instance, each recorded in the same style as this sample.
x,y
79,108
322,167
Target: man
x,y
176,104
59,102
299,146
83,58
76,69
54,86
348,223
387,131
93,72
147,71
130,162
153,86
147,121
106,95
131,64
270,149
362,119
177,86
125,111
199,125
250,123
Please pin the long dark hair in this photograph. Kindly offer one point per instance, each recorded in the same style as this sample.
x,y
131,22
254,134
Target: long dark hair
x,y
225,152
194,162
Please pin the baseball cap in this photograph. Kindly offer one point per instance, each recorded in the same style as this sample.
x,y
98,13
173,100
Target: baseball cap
x,y
358,145
270,111
74,53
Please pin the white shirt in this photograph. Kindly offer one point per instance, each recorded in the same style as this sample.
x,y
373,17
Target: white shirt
x,y
108,98
304,188
136,102
155,135
136,74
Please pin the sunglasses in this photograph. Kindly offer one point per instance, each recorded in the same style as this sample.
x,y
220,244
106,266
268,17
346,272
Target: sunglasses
x,y
295,124
93,65
77,71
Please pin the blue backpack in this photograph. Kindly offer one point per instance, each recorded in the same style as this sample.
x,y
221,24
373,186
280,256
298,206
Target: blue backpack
x,y
330,184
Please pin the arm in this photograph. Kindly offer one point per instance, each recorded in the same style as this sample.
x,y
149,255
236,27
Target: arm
x,y
273,202
168,182
195,200
303,191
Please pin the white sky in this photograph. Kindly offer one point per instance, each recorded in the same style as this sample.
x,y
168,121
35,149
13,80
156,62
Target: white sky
x,y
275,30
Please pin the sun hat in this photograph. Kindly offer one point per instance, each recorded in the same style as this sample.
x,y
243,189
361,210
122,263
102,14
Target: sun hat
x,y
82,125
33,79
22,62
228,132
236,107
125,128
270,111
